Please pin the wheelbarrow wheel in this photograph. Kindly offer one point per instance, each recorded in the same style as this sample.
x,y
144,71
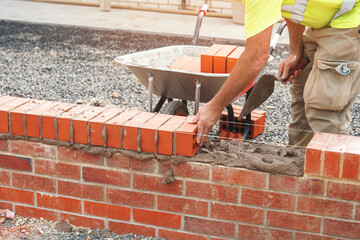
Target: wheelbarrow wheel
x,y
177,108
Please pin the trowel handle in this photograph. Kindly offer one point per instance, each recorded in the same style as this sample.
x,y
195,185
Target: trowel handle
x,y
303,62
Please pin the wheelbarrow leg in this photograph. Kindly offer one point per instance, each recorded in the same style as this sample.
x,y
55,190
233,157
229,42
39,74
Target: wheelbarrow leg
x,y
150,87
159,104
197,96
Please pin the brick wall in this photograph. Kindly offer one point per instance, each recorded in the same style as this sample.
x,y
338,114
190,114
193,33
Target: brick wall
x,y
217,7
206,202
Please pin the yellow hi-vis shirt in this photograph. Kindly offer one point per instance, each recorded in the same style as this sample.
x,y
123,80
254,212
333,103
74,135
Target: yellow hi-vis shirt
x,y
261,14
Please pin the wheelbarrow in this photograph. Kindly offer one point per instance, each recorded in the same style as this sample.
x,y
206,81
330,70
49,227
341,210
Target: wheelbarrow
x,y
151,67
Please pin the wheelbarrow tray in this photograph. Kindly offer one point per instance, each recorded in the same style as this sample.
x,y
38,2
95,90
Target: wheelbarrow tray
x,y
173,83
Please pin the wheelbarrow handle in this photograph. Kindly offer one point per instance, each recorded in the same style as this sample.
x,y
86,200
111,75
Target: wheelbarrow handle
x,y
204,9
202,13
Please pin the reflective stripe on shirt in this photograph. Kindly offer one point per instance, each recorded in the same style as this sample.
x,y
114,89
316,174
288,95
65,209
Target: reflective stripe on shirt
x,y
297,9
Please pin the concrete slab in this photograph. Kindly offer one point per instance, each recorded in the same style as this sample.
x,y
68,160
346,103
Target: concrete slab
x,y
122,19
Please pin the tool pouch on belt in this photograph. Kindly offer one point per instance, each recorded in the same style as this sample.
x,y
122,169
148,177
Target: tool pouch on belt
x,y
330,84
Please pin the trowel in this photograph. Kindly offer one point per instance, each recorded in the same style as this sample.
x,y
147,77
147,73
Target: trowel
x,y
264,88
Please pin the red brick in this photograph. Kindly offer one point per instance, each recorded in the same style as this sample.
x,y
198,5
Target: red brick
x,y
81,124
296,184
33,149
342,228
191,170
15,163
211,191
57,169
313,152
186,144
97,125
3,145
77,155
166,135
306,236
16,195
4,112
233,57
4,177
324,207
33,117
143,165
106,176
17,116
351,166
220,58
26,211
182,205
346,191
207,58
353,146
152,183
6,205
268,199
131,129
187,63
172,235
82,221
336,146
114,128
121,161
118,160
48,119
131,198
148,131
107,210
33,182
248,232
57,202
125,228
6,99
81,190
157,218
239,176
293,221
64,122
209,227
357,213
236,213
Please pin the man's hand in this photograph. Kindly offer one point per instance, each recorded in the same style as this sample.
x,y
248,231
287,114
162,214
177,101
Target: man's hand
x,y
206,119
284,68
296,50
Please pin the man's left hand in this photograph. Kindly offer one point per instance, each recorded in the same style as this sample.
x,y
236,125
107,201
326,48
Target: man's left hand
x,y
206,119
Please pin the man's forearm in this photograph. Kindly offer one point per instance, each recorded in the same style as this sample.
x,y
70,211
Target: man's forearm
x,y
246,69
295,36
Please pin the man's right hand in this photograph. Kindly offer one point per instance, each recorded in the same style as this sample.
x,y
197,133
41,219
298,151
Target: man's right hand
x,y
285,67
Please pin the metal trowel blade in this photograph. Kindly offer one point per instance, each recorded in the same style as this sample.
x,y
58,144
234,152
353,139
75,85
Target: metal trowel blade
x,y
261,91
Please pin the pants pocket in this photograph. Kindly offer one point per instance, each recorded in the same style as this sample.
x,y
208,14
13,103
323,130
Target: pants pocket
x,y
329,84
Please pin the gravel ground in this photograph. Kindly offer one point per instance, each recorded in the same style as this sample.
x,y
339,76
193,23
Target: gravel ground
x,y
73,64
40,229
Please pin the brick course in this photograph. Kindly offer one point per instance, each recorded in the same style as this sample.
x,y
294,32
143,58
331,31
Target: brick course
x,y
204,202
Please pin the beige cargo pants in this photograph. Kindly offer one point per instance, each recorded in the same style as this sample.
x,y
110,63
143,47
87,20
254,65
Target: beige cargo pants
x,y
323,95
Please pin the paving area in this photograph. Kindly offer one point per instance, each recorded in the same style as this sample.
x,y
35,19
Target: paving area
x,y
138,21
